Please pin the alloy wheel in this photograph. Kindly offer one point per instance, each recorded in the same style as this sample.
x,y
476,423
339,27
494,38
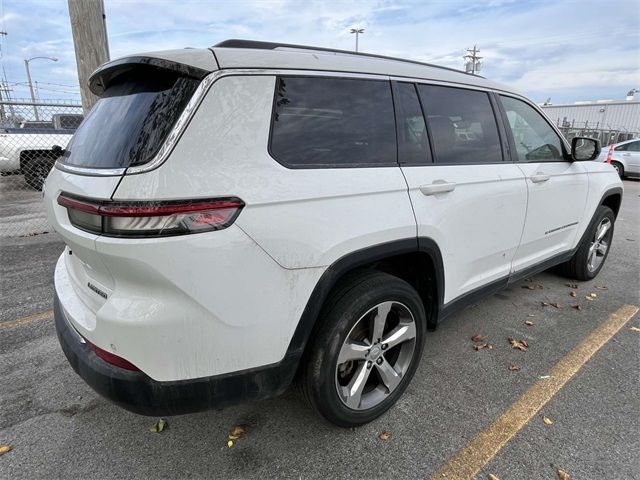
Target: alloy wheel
x,y
376,355
599,245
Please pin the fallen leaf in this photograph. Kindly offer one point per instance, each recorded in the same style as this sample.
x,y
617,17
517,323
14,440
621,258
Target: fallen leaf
x,y
384,435
591,296
573,294
531,315
524,342
477,338
556,305
544,377
577,307
537,286
572,285
230,443
5,449
547,420
518,344
479,346
514,368
238,430
529,323
491,476
159,426
562,475
602,287
634,329
544,304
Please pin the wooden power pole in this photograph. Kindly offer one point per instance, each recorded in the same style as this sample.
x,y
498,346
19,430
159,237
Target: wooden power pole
x,y
89,29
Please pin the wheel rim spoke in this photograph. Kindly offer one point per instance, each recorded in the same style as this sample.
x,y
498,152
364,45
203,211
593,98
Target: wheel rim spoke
x,y
379,321
602,248
388,375
400,334
352,350
356,386
603,229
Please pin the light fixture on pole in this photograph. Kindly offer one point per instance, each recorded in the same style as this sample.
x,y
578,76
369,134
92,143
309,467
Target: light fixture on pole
x,y
33,97
357,31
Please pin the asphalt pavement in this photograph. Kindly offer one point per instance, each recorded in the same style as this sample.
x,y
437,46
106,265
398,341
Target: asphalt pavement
x,y
59,428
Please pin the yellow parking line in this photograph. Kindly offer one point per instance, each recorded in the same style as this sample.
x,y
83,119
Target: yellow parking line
x,y
468,461
29,319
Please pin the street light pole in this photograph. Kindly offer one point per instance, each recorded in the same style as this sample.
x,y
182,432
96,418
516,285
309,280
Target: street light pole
x,y
357,31
33,97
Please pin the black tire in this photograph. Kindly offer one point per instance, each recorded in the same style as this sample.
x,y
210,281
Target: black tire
x,y
578,267
345,307
36,170
619,168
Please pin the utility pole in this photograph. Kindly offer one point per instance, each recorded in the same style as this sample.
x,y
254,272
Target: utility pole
x,y
89,29
357,31
473,64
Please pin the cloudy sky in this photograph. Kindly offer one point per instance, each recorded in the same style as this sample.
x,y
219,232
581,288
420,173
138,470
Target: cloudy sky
x,y
567,50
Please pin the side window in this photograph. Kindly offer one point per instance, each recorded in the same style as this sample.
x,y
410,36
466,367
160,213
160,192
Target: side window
x,y
333,122
462,123
534,138
633,147
413,141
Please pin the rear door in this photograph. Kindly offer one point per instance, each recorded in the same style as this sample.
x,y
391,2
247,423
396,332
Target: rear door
x,y
465,196
557,187
629,154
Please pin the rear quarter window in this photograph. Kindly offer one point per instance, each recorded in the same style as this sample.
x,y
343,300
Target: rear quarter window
x,y
333,122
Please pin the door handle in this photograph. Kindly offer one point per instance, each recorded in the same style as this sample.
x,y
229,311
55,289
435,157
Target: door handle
x,y
438,186
539,177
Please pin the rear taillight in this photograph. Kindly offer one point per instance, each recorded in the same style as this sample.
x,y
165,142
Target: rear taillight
x,y
111,358
610,154
150,219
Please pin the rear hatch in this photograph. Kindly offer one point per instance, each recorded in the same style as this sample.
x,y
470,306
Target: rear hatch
x,y
140,100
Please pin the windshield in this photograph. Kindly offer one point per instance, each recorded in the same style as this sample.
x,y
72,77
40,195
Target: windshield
x,y
129,122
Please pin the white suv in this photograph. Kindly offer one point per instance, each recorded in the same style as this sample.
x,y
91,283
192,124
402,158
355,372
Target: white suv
x,y
238,215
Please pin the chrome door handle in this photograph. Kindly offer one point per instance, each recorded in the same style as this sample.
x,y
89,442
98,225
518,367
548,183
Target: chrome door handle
x,y
539,177
438,186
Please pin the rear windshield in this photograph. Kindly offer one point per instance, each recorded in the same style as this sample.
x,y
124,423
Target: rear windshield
x,y
129,122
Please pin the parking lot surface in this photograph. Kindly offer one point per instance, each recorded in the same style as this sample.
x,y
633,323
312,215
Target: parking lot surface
x,y
59,428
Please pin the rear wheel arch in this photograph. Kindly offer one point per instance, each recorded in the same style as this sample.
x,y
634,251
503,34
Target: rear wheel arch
x,y
417,261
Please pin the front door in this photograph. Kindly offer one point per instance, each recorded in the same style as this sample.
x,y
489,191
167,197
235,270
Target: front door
x,y
557,188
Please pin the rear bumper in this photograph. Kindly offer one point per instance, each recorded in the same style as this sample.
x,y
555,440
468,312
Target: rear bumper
x,y
138,393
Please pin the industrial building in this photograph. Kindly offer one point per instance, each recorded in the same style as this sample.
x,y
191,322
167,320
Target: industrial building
x,y
611,121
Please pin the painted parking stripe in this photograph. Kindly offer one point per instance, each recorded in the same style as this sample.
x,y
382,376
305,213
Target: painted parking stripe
x,y
469,460
28,319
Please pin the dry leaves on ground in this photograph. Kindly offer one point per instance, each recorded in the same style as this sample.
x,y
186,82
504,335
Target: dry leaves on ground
x,y
537,286
519,344
562,475
547,420
573,294
159,426
5,449
634,329
477,338
528,323
491,476
384,435
237,432
572,285
577,307
479,343
591,296
514,368
602,287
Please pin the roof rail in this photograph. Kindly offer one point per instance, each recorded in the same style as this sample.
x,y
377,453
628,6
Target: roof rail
x,y
254,44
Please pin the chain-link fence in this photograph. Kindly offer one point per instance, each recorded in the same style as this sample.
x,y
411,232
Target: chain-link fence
x,y
607,136
30,134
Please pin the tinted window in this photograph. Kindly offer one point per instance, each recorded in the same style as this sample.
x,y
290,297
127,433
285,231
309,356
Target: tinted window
x,y
129,122
463,126
413,141
534,138
631,147
333,122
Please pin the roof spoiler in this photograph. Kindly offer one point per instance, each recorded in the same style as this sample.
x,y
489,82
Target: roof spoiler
x,y
105,74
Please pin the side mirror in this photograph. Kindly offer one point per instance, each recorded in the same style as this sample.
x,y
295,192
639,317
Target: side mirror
x,y
584,148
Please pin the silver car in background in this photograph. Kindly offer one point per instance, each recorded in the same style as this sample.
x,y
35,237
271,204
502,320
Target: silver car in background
x,y
624,156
